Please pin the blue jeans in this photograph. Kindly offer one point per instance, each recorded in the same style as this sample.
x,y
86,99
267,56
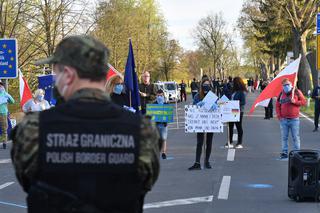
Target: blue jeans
x,y
285,126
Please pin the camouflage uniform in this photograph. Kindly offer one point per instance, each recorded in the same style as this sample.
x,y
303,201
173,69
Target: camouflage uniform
x,y
25,136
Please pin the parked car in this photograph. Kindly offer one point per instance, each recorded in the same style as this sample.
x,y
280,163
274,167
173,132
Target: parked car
x,y
171,90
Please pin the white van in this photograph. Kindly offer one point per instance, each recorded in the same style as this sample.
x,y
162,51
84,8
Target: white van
x,y
171,90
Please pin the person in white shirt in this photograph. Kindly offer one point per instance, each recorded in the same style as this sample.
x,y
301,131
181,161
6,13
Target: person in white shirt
x,y
37,103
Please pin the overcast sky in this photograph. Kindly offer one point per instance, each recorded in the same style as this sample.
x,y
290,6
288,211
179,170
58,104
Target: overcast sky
x,y
183,15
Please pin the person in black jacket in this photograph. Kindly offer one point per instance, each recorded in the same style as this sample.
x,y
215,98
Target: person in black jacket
x,y
115,88
147,92
194,88
316,97
239,89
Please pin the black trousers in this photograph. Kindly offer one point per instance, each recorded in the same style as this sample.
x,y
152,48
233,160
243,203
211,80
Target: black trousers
x,y
316,117
269,110
200,139
239,129
183,95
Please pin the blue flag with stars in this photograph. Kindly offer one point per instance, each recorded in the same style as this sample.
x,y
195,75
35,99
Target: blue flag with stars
x,y
8,58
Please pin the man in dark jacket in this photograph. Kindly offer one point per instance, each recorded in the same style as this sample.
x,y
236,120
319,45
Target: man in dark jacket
x,y
147,92
316,97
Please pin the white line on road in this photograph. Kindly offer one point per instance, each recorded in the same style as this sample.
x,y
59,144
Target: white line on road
x,y
5,161
178,202
235,137
231,154
224,188
6,185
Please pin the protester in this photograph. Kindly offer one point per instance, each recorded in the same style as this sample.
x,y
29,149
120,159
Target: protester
x,y
227,87
147,92
194,88
5,99
250,84
162,126
183,93
87,154
238,93
288,106
37,103
205,87
316,97
115,88
268,109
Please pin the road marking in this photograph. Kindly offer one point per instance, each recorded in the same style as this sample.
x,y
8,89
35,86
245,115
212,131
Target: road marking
x,y
231,154
235,137
6,185
224,188
5,161
12,204
178,202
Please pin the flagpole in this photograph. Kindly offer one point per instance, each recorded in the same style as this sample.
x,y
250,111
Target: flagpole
x,y
295,80
130,98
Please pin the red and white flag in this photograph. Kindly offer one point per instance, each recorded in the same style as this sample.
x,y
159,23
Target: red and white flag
x,y
275,87
25,92
112,71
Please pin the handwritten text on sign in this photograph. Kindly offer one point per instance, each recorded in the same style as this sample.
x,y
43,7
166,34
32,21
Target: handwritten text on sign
x,y
201,120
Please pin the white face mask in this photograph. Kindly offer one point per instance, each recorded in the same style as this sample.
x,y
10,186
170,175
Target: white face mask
x,y
57,82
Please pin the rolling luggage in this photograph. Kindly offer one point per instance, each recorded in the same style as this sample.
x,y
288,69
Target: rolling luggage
x,y
304,174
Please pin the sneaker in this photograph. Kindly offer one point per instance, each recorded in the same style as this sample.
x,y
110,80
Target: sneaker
x,y
315,130
4,145
239,146
196,166
283,155
207,165
164,156
228,146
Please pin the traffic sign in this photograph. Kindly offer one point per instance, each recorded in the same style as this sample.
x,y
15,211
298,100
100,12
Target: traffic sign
x,y
318,23
8,58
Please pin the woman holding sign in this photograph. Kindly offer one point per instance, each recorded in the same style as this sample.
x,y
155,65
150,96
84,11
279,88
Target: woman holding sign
x,y
205,87
238,93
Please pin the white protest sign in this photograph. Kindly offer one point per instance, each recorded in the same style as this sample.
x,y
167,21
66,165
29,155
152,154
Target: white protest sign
x,y
209,100
223,99
230,111
198,119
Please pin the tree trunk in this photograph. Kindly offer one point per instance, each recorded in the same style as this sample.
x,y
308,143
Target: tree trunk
x,y
304,74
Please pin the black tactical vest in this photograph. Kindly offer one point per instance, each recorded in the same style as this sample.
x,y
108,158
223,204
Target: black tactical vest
x,y
88,156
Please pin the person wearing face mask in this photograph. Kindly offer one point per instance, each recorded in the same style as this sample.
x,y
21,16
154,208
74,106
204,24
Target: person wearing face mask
x,y
288,106
238,94
37,103
5,99
162,126
115,88
87,154
205,87
316,98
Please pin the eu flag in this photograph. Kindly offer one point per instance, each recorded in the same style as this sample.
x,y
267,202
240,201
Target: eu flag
x,y
131,80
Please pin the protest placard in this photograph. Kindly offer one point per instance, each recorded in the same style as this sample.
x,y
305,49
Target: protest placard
x,y
199,119
230,111
161,112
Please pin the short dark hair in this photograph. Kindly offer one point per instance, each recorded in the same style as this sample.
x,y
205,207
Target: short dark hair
x,y
160,91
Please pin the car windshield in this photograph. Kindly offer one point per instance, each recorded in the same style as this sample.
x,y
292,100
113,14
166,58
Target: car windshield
x,y
170,87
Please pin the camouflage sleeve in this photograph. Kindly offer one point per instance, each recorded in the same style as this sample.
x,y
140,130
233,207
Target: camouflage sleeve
x,y
148,164
24,151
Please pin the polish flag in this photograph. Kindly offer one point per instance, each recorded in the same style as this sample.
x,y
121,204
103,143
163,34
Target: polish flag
x,y
25,92
112,71
275,87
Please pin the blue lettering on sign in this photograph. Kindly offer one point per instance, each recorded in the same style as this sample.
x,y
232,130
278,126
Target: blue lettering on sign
x,y
318,23
8,58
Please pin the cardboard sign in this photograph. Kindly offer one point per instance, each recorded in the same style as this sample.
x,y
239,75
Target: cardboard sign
x,y
230,111
199,119
161,112
209,99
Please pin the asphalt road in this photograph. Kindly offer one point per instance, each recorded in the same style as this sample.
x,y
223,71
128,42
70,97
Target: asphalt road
x,y
243,181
